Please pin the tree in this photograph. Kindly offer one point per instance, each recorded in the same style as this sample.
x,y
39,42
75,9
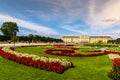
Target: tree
x,y
9,29
118,40
14,39
36,38
31,36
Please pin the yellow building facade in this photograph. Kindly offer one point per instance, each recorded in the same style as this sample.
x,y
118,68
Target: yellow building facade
x,y
86,39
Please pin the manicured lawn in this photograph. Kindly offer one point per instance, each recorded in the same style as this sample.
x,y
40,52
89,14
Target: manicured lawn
x,y
86,50
86,68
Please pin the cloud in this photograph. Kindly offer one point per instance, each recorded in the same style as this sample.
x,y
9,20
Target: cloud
x,y
98,16
114,33
75,29
91,8
24,32
64,11
107,17
38,29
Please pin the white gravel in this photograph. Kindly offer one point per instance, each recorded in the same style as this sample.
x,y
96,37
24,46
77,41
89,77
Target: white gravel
x,y
23,44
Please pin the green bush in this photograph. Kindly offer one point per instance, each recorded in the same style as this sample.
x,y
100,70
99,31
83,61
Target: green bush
x,y
116,73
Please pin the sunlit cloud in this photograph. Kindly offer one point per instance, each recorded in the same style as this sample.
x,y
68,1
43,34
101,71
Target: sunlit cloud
x,y
74,29
108,17
40,30
96,16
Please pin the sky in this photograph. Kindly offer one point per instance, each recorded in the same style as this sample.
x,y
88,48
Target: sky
x,y
57,18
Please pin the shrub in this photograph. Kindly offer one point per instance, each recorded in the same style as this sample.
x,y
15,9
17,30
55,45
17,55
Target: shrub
x,y
115,72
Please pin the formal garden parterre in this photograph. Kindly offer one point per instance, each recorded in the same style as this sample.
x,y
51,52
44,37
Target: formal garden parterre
x,y
59,65
70,51
63,50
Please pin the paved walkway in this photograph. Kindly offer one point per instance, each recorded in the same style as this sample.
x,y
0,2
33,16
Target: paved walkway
x,y
23,44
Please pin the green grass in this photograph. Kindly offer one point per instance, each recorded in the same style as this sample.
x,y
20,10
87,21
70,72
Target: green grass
x,y
86,50
86,68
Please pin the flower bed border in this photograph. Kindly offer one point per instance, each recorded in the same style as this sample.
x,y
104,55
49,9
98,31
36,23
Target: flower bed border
x,y
54,65
49,51
114,74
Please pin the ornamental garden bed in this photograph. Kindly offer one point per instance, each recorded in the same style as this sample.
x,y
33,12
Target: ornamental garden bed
x,y
114,74
71,52
50,64
97,66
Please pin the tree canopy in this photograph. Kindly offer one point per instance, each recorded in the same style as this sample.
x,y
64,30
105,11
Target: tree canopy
x,y
9,29
117,41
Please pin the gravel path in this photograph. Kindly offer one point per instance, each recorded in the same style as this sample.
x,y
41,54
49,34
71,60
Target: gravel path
x,y
23,44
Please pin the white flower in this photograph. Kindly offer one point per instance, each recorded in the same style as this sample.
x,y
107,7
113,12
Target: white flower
x,y
63,62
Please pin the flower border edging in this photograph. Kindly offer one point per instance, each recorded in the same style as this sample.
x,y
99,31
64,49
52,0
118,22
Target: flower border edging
x,y
50,64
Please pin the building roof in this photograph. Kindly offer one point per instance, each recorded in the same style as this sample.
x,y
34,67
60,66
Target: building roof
x,y
89,36
70,37
100,37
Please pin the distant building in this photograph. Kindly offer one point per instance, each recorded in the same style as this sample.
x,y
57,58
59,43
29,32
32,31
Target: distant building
x,y
86,39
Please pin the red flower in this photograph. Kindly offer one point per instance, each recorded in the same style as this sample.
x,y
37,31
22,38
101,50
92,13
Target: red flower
x,y
51,66
116,62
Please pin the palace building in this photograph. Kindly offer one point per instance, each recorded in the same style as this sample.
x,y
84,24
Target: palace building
x,y
86,39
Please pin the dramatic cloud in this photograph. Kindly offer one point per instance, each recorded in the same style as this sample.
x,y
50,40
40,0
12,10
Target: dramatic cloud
x,y
65,11
108,17
96,16
41,30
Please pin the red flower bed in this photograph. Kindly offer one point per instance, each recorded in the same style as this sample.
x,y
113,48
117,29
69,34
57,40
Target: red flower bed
x,y
116,62
73,48
114,74
65,46
68,53
58,45
31,45
49,66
